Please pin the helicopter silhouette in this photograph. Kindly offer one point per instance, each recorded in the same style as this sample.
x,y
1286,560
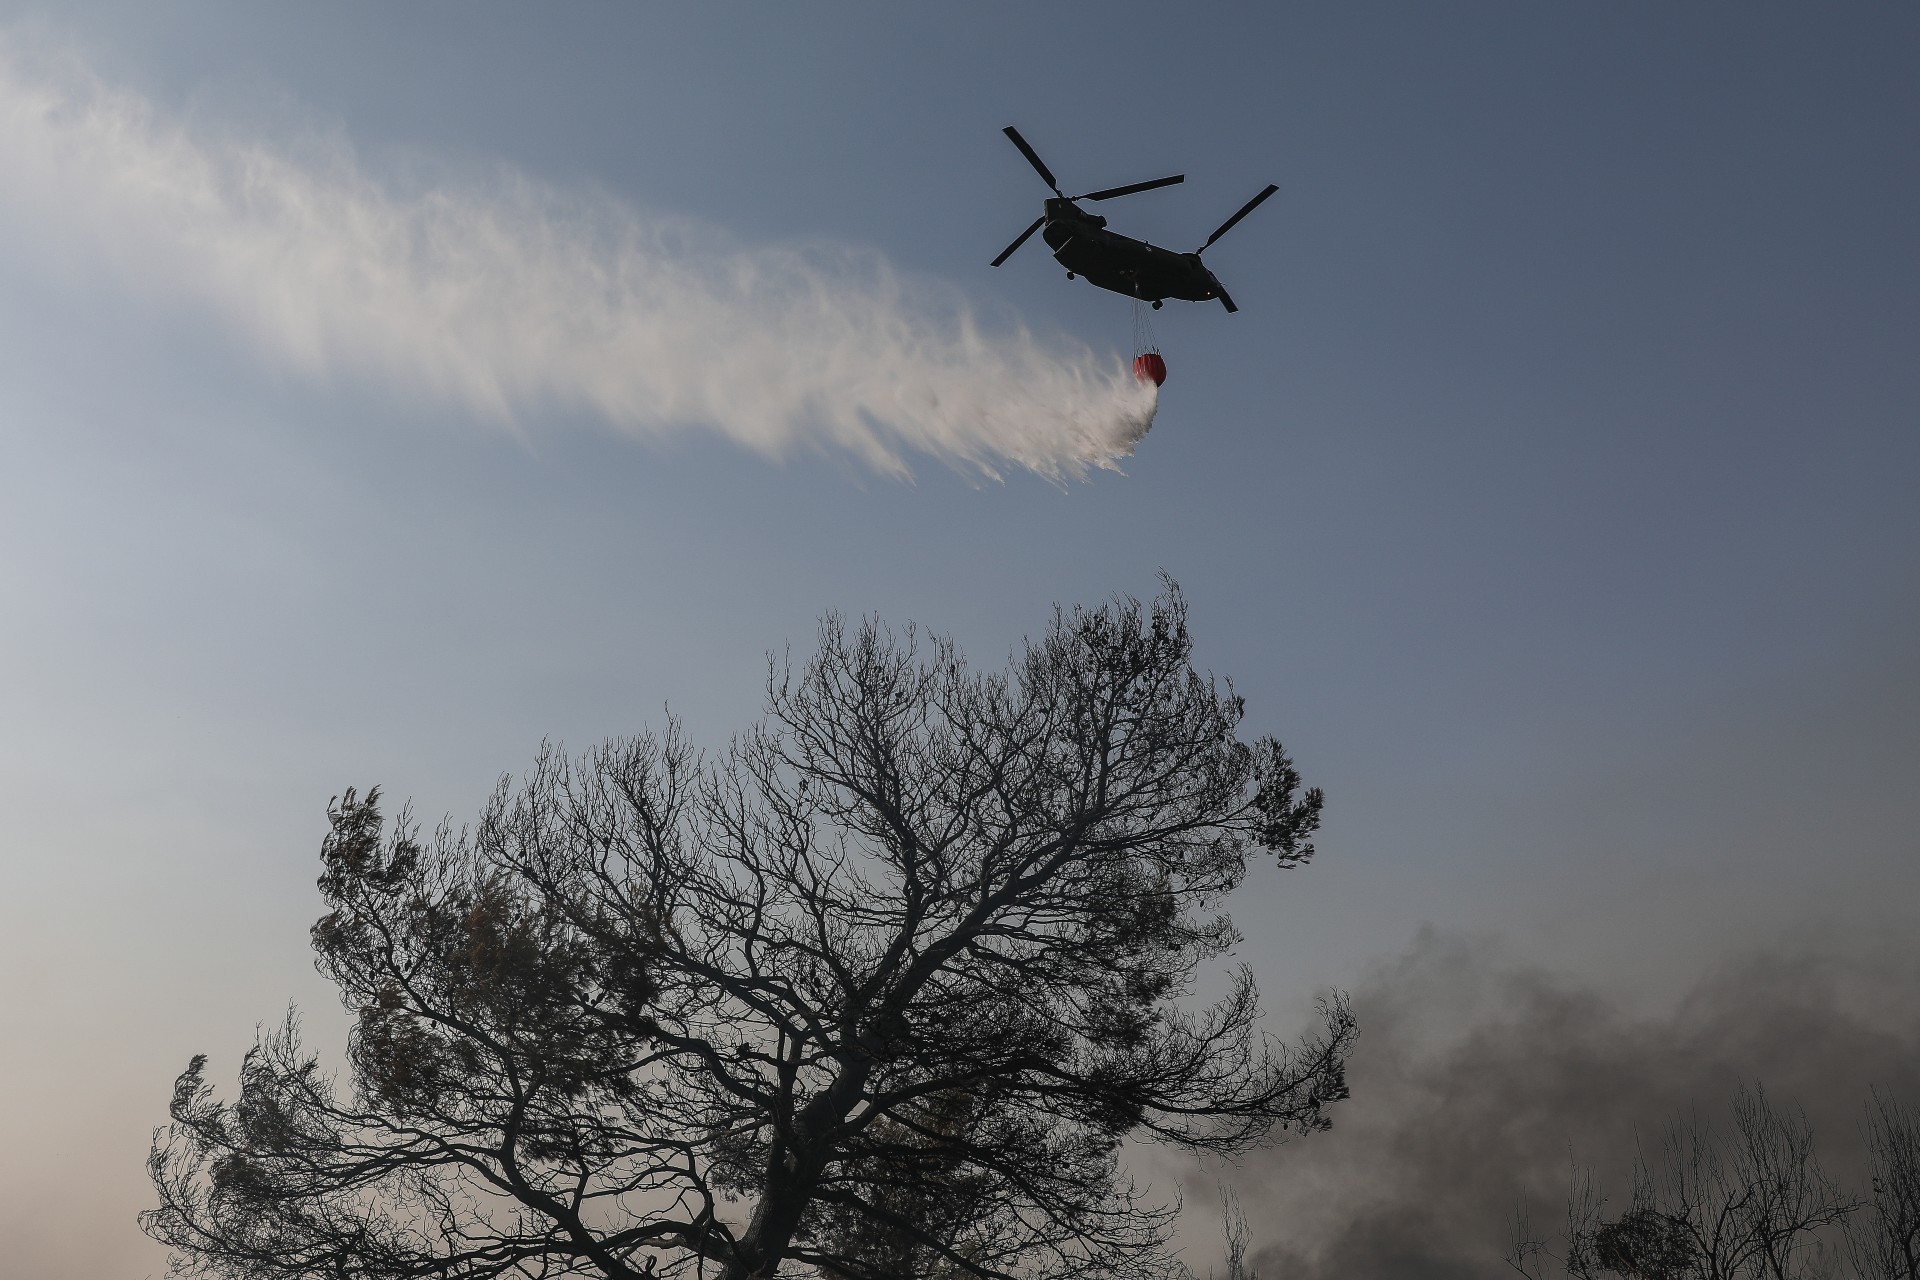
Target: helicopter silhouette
x,y
1082,244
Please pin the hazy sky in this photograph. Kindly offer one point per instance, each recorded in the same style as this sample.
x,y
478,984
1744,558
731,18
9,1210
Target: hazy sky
x,y
384,389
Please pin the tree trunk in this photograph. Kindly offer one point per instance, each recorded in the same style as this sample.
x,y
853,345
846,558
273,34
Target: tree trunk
x,y
792,1174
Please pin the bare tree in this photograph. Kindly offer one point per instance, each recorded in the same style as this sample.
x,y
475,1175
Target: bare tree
x,y
876,993
1531,1252
1885,1241
1238,1235
1752,1206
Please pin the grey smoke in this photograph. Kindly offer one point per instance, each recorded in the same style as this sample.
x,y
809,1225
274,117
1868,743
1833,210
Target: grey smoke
x,y
1477,1080
507,298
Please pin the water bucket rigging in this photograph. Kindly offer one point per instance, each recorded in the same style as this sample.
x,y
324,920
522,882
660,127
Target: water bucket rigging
x,y
1148,364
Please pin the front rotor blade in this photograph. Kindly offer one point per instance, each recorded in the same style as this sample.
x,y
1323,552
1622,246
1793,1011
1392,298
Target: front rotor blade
x,y
1225,301
1245,209
1008,251
1033,159
1111,192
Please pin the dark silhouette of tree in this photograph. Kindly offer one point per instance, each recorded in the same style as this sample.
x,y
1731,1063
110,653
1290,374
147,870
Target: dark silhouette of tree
x,y
1237,1235
876,993
1750,1205
1885,1241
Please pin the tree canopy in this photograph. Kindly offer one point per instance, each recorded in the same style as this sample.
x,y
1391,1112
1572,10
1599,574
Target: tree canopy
x,y
876,992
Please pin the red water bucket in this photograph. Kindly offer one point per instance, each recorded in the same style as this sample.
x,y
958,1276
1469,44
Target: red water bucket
x,y
1150,368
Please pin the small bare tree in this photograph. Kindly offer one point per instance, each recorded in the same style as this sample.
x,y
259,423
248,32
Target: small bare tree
x,y
1884,1243
1238,1235
876,994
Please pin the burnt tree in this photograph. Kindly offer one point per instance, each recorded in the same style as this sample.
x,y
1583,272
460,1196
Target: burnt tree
x,y
1750,1204
876,993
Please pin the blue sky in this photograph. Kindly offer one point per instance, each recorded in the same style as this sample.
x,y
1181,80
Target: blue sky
x,y
1551,495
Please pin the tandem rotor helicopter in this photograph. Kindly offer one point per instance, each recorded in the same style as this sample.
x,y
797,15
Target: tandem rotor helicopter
x,y
1082,244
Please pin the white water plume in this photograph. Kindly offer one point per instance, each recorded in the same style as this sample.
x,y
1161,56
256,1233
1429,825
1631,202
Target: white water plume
x,y
508,297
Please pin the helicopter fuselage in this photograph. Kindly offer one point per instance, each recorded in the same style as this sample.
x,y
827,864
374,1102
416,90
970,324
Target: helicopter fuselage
x,y
1082,244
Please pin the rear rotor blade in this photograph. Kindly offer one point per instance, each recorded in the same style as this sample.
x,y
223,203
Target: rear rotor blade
x,y
1008,251
1245,209
1033,159
1111,192
1225,301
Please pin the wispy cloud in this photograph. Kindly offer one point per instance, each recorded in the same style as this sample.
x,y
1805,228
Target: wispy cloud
x,y
511,298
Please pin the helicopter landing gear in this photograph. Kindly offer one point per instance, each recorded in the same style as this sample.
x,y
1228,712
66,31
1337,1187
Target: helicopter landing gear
x,y
1072,276
1156,304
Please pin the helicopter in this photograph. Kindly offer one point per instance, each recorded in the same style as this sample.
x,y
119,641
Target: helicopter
x,y
1083,245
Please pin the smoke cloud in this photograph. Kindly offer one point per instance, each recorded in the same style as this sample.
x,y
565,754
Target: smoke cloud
x,y
1478,1081
506,297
